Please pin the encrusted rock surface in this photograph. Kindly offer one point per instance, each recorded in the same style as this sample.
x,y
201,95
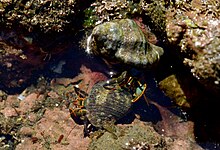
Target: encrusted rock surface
x,y
47,15
137,136
16,64
107,10
182,89
195,28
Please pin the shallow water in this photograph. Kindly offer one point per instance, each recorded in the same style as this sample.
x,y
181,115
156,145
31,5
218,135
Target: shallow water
x,y
146,110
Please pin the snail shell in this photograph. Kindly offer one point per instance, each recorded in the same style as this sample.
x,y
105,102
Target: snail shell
x,y
104,105
123,40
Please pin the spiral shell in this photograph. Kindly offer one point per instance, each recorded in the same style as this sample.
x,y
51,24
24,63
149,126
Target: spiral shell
x,y
123,40
107,105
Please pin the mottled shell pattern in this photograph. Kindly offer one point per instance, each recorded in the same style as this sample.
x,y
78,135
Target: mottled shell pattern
x,y
123,40
107,105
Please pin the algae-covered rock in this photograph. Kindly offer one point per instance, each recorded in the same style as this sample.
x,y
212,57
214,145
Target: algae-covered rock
x,y
3,95
195,28
16,65
182,89
172,89
51,15
139,136
123,40
108,10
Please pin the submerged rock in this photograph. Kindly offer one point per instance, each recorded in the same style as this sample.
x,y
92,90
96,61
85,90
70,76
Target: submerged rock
x,y
139,136
182,89
17,65
123,40
23,55
172,89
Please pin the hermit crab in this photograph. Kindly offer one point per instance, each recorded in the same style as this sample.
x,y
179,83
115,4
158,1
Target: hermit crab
x,y
124,41
107,102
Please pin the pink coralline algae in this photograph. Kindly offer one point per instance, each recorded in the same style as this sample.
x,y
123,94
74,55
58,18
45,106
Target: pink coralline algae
x,y
87,78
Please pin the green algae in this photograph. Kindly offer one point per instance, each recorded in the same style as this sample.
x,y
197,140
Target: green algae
x,y
46,15
108,10
139,134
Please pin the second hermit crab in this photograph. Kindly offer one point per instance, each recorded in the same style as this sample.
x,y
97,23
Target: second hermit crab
x,y
107,102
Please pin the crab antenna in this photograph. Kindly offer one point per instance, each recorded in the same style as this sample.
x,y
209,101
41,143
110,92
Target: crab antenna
x,y
146,100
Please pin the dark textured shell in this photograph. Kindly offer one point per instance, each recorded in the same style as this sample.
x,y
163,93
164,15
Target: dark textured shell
x,y
123,40
104,105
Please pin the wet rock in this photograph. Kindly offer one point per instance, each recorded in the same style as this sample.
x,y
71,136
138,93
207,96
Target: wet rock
x,y
56,123
173,125
12,100
9,127
3,96
128,137
2,105
53,94
32,117
108,10
27,143
46,15
181,144
26,131
182,89
172,89
41,122
84,80
18,59
139,135
9,112
29,102
195,27
31,33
